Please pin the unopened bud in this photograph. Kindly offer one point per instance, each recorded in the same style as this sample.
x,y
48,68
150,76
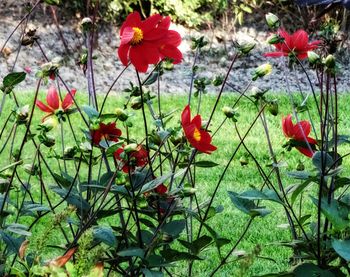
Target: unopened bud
x,y
245,48
86,24
131,147
136,103
313,57
274,39
261,71
69,152
272,107
228,111
272,21
122,115
330,61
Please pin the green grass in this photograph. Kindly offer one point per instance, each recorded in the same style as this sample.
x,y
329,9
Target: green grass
x,y
264,232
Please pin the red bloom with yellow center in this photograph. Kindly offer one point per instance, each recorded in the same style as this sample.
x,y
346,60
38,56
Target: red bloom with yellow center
x,y
54,103
107,131
296,44
196,136
129,161
299,135
148,41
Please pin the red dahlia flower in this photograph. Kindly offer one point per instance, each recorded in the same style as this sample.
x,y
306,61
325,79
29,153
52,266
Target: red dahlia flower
x,y
296,44
129,161
146,42
161,189
298,133
54,103
106,131
196,136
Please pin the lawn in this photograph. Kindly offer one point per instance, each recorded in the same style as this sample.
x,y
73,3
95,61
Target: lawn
x,y
264,232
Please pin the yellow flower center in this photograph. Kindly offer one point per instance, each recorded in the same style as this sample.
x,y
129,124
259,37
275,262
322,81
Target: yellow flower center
x,y
137,37
196,135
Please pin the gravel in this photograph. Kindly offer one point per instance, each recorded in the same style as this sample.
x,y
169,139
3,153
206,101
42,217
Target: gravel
x,y
213,61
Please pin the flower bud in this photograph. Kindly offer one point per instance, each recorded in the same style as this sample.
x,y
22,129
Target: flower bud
x,y
272,107
136,103
272,21
49,124
4,183
243,161
47,140
15,154
313,57
69,152
31,169
218,80
245,48
122,115
132,147
228,111
261,71
330,61
22,114
86,24
274,39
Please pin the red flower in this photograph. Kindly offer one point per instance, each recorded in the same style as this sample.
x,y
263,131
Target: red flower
x,y
161,189
296,44
146,42
106,131
196,136
299,132
129,161
54,103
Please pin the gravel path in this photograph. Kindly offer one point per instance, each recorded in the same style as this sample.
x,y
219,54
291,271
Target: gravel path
x,y
213,61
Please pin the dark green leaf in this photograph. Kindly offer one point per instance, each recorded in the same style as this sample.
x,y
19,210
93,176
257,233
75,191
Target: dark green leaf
x,y
18,229
336,212
308,269
205,164
62,180
151,79
106,235
320,159
90,111
152,273
299,189
342,247
12,243
132,252
13,79
247,206
302,175
172,255
174,228
197,245
155,183
72,198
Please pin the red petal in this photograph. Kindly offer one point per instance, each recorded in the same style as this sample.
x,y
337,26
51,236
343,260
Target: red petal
x,y
300,40
275,54
197,121
287,38
127,35
301,130
43,107
133,20
306,151
155,35
302,56
165,23
52,98
137,59
150,53
172,37
186,116
150,23
287,126
123,51
171,52
68,100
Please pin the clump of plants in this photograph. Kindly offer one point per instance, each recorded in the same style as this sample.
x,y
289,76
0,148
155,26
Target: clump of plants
x,y
91,191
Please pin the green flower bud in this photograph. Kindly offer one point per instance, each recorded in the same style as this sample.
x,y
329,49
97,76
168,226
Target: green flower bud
x,y
243,161
245,48
47,140
4,183
273,39
31,169
86,24
22,114
218,80
261,71
136,103
228,111
272,107
69,152
122,115
132,147
313,57
272,21
330,61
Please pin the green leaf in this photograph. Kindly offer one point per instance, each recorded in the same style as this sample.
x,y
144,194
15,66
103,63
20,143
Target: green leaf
x,y
172,255
151,78
322,158
13,79
261,195
63,180
308,269
197,245
52,2
31,208
342,247
90,111
106,235
73,198
12,243
247,206
302,175
155,183
132,252
299,189
336,212
205,164
174,228
18,229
